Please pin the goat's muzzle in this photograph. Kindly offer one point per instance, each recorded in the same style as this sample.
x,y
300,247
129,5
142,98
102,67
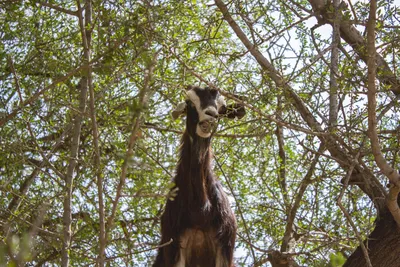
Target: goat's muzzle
x,y
208,125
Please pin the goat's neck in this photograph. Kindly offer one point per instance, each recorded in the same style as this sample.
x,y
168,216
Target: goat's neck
x,y
194,170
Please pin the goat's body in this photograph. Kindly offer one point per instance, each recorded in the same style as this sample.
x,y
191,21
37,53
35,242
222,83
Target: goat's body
x,y
199,220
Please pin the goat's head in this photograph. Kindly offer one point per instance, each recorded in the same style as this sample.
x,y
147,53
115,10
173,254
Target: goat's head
x,y
203,106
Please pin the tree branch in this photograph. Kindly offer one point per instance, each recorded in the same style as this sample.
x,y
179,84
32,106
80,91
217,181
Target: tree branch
x,y
74,153
58,8
375,192
333,87
347,215
143,98
285,247
354,38
87,43
385,168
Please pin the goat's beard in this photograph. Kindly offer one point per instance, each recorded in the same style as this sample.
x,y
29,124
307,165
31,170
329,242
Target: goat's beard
x,y
204,128
202,147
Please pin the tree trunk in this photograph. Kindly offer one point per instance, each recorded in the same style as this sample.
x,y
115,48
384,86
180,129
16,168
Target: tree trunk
x,y
383,245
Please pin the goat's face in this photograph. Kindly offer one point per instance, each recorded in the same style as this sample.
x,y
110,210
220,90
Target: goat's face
x,y
206,105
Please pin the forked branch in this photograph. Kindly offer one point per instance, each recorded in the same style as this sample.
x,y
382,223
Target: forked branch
x,y
386,169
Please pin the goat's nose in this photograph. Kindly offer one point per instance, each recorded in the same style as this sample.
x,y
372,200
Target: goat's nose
x,y
212,113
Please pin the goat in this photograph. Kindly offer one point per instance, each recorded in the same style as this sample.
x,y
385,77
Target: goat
x,y
199,220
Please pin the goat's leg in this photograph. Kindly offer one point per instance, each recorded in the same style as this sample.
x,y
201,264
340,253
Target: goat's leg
x,y
221,260
226,244
182,261
168,255
159,259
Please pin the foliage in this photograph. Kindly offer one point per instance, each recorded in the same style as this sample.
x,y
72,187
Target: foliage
x,y
188,42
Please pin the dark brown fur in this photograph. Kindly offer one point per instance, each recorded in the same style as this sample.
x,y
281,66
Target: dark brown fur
x,y
200,211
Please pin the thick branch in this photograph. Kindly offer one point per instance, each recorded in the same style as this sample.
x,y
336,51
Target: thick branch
x,y
86,41
282,156
69,177
354,38
368,184
385,168
70,172
333,87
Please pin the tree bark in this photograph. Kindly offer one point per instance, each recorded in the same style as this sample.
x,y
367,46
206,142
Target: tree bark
x,y
383,245
384,242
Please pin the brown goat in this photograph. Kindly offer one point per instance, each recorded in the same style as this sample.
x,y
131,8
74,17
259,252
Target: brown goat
x,y
199,220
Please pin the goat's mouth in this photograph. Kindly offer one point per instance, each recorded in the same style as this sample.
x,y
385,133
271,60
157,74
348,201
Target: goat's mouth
x,y
206,126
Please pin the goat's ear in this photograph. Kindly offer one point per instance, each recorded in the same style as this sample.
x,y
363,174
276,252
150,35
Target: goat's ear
x,y
232,111
189,87
179,110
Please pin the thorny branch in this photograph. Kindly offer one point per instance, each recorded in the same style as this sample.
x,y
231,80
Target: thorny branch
x,y
60,9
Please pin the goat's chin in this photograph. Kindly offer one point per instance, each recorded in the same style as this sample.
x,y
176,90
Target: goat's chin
x,y
202,134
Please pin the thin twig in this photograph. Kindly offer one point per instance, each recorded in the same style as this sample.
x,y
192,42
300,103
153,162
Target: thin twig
x,y
293,210
60,9
238,207
143,98
346,213
61,79
141,251
220,135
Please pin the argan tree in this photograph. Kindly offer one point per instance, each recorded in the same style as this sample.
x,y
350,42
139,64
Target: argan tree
x,y
88,146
